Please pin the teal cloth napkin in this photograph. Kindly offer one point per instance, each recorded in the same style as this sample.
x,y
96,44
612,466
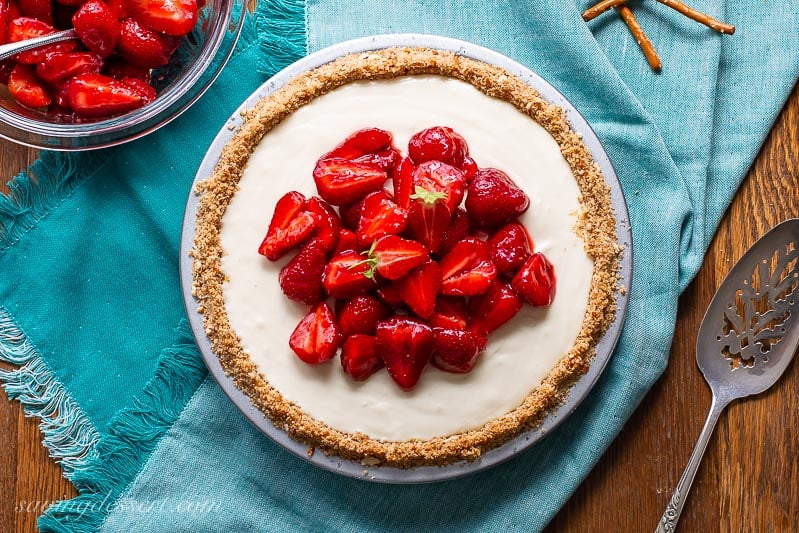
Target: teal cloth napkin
x,y
90,304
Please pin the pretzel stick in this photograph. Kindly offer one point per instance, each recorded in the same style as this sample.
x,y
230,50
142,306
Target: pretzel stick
x,y
704,18
639,35
593,12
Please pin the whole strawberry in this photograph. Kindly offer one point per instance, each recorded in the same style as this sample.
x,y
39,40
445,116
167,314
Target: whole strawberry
x,y
494,199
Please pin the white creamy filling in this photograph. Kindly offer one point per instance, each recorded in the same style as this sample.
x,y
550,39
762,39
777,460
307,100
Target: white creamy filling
x,y
519,355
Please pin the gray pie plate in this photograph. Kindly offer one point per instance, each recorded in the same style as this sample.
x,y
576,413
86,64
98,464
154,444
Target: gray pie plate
x,y
424,474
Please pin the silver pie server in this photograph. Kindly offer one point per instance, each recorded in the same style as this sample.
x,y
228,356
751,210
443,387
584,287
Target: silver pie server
x,y
748,336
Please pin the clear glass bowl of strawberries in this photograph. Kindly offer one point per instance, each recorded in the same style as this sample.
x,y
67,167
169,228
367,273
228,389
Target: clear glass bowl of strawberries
x,y
136,65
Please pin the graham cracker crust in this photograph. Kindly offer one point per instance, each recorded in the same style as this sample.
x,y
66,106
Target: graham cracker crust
x,y
596,226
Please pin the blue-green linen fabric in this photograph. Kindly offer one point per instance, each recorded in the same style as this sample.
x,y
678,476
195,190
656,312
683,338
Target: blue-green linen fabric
x,y
90,302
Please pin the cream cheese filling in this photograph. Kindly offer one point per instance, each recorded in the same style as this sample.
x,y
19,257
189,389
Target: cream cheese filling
x,y
519,355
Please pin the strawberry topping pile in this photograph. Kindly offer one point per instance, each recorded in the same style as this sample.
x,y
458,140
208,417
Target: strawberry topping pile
x,y
108,71
424,256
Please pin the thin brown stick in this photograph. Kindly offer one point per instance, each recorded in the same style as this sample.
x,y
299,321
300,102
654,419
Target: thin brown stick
x,y
703,18
639,35
601,7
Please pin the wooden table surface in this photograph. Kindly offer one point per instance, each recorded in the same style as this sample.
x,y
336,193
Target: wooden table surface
x,y
749,479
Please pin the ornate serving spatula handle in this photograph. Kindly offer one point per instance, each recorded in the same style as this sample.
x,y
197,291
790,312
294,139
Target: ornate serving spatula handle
x,y
668,522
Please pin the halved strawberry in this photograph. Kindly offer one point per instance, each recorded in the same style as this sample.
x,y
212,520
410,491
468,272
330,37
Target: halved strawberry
x,y
402,179
22,28
328,225
172,17
301,278
26,88
489,311
379,217
359,357
428,217
343,182
510,247
316,338
142,88
97,27
458,229
455,350
291,226
95,95
60,66
361,315
405,346
118,68
419,288
393,257
450,313
38,9
345,275
535,281
365,141
385,160
494,199
143,47
435,176
439,143
390,295
350,214
346,241
466,269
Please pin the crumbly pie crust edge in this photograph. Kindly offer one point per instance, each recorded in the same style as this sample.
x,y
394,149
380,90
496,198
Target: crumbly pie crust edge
x,y
596,230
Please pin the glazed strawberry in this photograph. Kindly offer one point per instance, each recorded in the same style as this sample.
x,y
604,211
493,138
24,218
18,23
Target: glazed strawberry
x,y
393,257
142,88
419,288
60,66
450,313
428,217
438,143
119,8
469,168
359,357
458,229
350,214
535,281
38,9
455,350
143,47
316,338
385,160
97,27
346,241
466,269
95,95
494,199
361,315
22,28
328,225
365,141
301,278
435,176
345,275
405,346
172,17
389,294
118,68
489,311
60,94
403,182
343,182
510,247
291,226
26,88
379,217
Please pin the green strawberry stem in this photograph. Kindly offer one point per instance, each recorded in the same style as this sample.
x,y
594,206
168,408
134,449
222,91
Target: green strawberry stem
x,y
371,260
428,197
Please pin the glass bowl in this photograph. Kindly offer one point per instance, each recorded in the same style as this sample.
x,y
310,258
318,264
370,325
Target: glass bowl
x,y
192,69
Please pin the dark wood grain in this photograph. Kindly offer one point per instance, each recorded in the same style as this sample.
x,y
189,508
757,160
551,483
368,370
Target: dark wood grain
x,y
749,479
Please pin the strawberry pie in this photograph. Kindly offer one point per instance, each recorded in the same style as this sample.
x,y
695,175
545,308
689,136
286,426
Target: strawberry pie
x,y
405,257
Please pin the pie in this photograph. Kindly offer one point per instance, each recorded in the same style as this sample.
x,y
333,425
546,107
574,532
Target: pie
x,y
441,417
